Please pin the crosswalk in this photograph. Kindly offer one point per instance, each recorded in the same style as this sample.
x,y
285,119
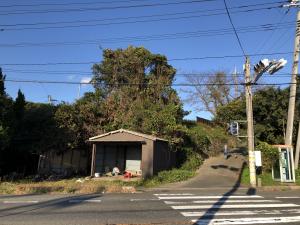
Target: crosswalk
x,y
233,209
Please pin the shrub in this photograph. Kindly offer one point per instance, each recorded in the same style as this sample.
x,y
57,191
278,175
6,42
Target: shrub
x,y
193,161
208,141
269,155
175,175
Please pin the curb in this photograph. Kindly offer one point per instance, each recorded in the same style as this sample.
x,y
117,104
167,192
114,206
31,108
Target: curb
x,y
278,188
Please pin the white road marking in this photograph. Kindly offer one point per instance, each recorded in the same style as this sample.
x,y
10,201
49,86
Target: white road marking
x,y
209,197
288,197
236,213
258,220
234,206
144,199
221,201
173,194
82,200
19,202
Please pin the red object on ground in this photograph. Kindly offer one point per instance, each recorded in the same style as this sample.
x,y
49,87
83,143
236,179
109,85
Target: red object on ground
x,y
127,175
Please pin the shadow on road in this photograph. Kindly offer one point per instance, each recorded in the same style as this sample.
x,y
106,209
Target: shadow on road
x,y
235,169
54,203
209,215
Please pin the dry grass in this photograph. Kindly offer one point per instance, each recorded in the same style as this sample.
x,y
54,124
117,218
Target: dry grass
x,y
66,186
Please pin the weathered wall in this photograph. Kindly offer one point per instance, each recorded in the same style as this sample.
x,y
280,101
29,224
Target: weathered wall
x,y
147,159
72,161
163,158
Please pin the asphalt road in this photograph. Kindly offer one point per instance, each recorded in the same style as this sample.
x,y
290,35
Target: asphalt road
x,y
165,206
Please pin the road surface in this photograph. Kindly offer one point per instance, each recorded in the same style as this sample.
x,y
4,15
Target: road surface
x,y
195,206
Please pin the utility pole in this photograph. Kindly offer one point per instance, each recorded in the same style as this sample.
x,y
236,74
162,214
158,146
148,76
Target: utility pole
x,y
250,131
297,149
292,99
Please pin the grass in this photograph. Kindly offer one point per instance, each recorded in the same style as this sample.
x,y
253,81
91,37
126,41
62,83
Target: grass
x,y
266,178
70,186
65,186
171,176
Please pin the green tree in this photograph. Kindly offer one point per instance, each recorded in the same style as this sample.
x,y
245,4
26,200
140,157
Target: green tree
x,y
269,110
81,120
5,114
19,106
138,94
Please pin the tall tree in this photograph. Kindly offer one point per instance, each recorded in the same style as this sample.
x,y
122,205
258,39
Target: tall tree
x,y
5,114
19,105
211,90
138,93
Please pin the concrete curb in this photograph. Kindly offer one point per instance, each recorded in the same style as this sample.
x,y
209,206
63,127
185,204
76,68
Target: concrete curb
x,y
278,188
263,188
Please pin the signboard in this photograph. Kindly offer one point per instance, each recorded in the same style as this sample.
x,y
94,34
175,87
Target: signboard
x,y
257,155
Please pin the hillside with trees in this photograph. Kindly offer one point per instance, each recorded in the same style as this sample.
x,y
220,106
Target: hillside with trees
x,y
132,90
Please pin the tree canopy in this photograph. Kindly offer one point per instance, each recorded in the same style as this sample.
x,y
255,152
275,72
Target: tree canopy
x,y
137,92
270,107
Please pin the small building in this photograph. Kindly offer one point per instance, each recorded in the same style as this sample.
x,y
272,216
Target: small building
x,y
141,154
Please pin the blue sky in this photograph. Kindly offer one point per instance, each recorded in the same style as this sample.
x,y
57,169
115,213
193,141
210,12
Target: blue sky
x,y
104,30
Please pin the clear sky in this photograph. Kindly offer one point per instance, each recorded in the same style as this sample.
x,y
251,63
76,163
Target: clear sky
x,y
75,31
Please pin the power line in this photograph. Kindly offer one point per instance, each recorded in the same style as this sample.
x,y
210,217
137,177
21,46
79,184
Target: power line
x,y
90,73
138,17
168,36
81,73
228,56
68,4
175,59
126,22
20,12
262,45
237,36
138,84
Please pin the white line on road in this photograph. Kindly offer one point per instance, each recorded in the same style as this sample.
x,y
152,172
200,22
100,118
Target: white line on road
x,y
19,202
210,197
144,199
234,206
258,220
236,213
222,201
288,197
173,194
82,200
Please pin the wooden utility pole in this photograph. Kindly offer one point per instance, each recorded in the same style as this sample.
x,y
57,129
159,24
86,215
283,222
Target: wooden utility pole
x,y
292,99
297,149
250,130
93,160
